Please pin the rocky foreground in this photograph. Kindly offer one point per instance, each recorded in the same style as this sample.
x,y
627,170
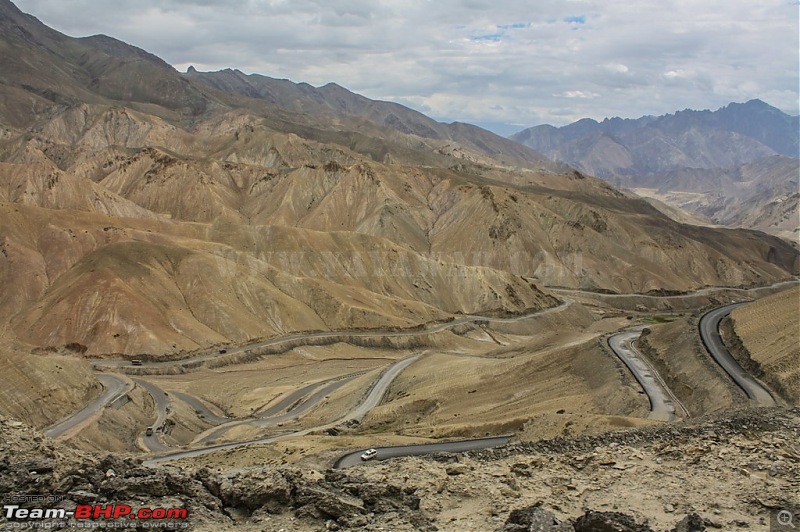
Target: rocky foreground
x,y
726,472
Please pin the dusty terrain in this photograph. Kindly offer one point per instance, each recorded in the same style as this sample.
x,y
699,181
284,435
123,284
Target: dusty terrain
x,y
765,337
522,377
655,476
151,215
43,389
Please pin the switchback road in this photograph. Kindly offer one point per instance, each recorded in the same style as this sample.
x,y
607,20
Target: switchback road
x,y
372,399
161,405
709,334
270,417
662,400
114,387
202,411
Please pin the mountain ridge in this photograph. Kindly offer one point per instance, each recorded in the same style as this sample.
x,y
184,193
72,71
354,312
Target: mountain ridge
x,y
335,211
103,70
697,152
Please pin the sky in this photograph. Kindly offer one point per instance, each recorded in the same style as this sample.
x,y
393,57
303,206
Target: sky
x,y
505,65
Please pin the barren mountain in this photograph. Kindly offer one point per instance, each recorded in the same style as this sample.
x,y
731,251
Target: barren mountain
x,y
762,195
214,230
164,212
638,148
736,166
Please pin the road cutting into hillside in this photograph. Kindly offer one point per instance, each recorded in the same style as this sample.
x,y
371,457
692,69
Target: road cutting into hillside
x,y
80,416
114,388
189,363
662,411
709,334
663,403
161,405
202,411
384,453
372,399
274,415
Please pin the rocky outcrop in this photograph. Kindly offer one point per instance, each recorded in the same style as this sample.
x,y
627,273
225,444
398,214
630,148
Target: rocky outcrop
x,y
589,483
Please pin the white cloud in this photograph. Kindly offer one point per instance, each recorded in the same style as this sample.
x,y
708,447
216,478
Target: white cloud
x,y
618,68
477,60
580,94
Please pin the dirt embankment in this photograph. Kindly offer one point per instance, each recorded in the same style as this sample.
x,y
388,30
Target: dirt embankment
x,y
737,348
764,337
682,361
43,389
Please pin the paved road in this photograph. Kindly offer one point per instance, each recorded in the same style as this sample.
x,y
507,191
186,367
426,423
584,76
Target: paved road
x,y
114,387
200,359
709,334
372,399
700,292
161,405
297,409
200,408
662,401
375,395
384,453
287,402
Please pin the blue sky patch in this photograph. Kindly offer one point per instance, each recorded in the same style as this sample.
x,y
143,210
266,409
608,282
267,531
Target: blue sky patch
x,y
502,31
577,19
514,26
488,37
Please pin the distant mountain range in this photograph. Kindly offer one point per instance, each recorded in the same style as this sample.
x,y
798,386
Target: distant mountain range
x,y
709,153
42,70
144,210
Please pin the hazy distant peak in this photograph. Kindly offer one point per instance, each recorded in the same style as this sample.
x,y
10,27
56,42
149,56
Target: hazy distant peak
x,y
732,135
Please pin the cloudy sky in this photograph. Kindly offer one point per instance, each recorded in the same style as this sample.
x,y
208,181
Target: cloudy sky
x,y
504,64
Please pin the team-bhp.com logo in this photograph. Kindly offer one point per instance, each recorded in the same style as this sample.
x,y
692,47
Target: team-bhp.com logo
x,y
85,514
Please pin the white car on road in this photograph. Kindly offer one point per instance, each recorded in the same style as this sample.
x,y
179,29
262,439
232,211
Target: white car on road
x,y
369,454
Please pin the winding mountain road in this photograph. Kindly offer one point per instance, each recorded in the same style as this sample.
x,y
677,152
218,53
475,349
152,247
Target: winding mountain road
x,y
271,417
200,359
111,382
161,405
662,400
372,399
709,334
750,292
114,387
200,408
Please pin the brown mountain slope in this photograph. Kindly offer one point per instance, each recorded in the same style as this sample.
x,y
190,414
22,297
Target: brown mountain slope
x,y
44,185
563,229
131,286
168,214
43,72
333,103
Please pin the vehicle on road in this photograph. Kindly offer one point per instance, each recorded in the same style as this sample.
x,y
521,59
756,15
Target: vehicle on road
x,y
149,431
369,454
223,351
136,362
